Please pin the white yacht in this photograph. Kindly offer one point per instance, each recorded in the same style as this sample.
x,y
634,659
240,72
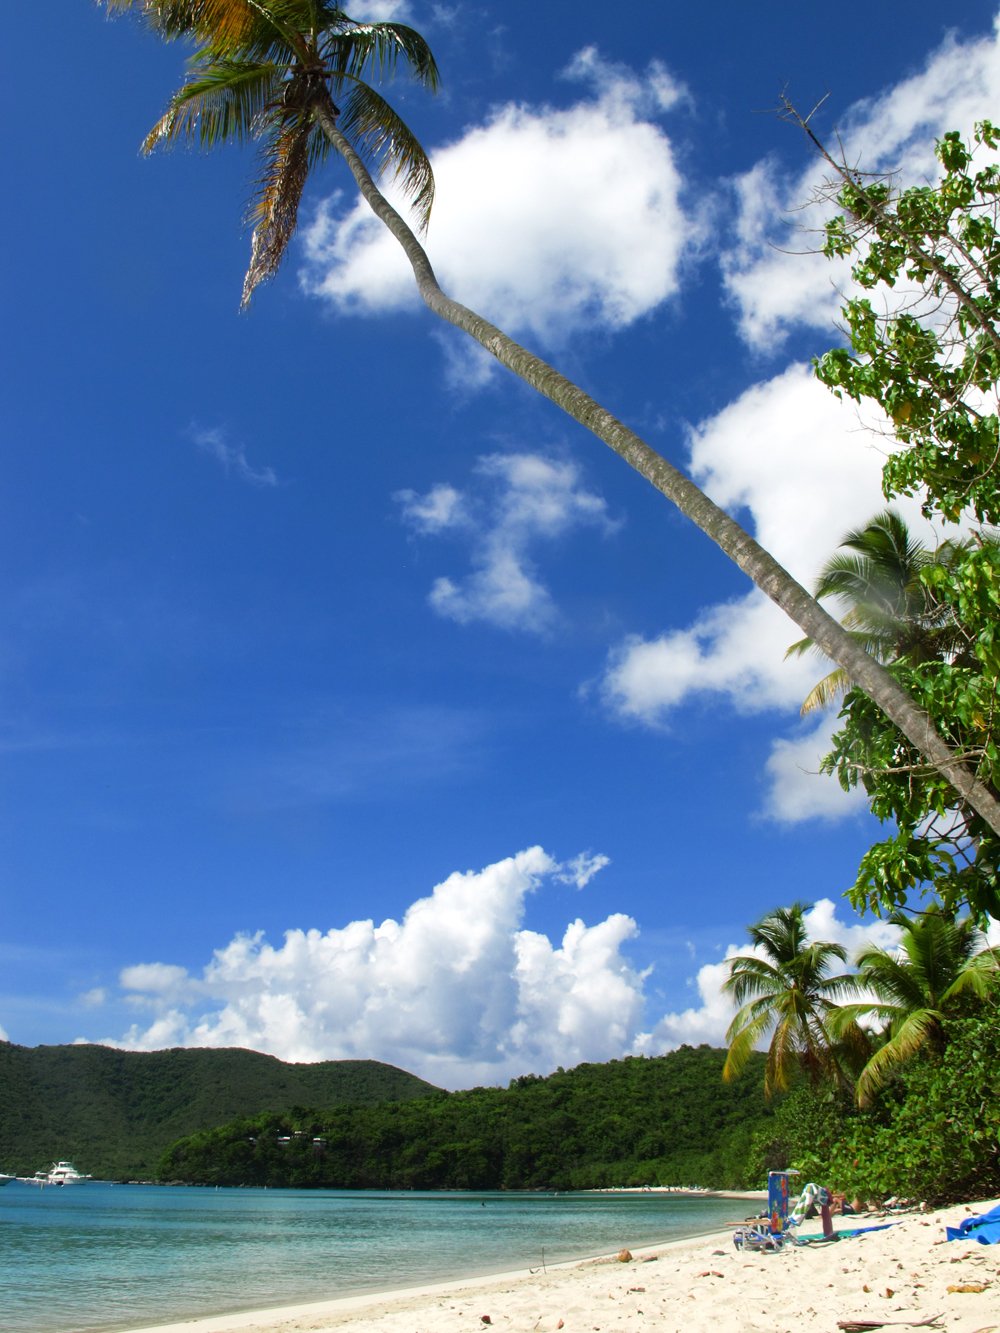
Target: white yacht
x,y
5,1180
62,1173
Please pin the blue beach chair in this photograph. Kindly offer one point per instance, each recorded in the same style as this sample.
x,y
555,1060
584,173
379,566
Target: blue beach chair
x,y
770,1233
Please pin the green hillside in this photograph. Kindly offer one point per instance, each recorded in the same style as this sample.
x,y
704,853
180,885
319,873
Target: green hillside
x,y
113,1113
666,1120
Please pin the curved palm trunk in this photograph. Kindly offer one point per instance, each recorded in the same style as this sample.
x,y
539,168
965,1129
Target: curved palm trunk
x,y
761,567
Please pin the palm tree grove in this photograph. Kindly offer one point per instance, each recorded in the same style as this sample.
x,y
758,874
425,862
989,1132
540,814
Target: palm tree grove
x,y
888,1067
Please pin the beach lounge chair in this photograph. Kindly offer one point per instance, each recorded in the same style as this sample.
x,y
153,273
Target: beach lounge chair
x,y
770,1232
780,1224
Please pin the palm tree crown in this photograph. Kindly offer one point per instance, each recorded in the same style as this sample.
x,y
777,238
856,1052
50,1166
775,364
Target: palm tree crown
x,y
266,70
787,988
891,612
938,960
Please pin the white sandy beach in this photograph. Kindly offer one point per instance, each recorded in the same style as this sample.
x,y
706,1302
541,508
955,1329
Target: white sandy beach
x,y
901,1276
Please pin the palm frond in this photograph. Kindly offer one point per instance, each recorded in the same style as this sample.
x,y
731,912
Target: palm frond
x,y
976,977
912,1032
818,957
380,47
893,980
781,933
750,976
275,207
376,131
846,983
247,29
741,1045
844,1016
855,1043
228,20
775,1007
781,1059
831,687
224,100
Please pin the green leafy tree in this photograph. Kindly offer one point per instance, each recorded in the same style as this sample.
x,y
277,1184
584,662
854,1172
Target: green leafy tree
x,y
941,847
787,987
802,1135
934,1133
939,960
928,351
273,70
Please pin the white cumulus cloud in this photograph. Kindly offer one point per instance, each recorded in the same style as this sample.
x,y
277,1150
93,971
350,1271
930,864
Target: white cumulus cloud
x,y
457,991
792,797
529,498
546,221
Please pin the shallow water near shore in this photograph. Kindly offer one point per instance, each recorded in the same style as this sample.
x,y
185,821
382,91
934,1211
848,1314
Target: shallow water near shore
x,y
100,1257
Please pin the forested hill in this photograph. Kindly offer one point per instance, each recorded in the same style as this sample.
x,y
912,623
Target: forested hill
x,y
666,1120
113,1113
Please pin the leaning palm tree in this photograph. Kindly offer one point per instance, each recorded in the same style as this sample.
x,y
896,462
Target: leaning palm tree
x,y
286,74
891,613
293,73
938,960
785,985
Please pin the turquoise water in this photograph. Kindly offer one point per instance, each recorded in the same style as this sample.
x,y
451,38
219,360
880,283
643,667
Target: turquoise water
x,y
103,1257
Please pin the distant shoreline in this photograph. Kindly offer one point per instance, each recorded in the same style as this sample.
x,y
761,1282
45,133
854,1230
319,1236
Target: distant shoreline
x,y
675,1190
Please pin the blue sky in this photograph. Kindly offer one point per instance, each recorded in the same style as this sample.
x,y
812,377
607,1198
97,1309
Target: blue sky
x,y
306,610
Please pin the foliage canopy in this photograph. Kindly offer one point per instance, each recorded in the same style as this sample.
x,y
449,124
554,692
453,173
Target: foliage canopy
x,y
929,355
939,960
666,1120
931,1133
940,846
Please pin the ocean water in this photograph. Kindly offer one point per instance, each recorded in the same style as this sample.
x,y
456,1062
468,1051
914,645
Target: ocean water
x,y
105,1257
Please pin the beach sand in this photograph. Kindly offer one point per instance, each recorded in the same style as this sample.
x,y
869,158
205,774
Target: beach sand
x,y
900,1275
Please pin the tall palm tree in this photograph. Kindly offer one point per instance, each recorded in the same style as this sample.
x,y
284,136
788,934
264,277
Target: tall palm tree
x,y
261,74
273,70
891,614
789,989
938,960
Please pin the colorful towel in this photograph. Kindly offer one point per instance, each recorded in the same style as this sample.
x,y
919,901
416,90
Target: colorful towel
x,y
856,1231
985,1229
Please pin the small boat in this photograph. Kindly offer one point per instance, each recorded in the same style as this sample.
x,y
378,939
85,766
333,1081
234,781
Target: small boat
x,y
62,1173
5,1180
